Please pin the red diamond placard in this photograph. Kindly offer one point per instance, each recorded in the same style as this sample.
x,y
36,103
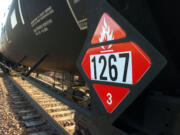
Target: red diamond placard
x,y
118,71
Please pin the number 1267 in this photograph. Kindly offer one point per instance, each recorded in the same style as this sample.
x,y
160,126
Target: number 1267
x,y
112,67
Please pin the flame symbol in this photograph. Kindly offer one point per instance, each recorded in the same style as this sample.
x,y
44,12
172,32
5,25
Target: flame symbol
x,y
106,34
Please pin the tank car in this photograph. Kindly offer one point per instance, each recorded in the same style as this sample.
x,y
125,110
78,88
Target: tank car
x,y
37,28
56,30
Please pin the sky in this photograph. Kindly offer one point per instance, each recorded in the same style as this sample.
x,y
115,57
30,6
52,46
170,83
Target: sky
x,y
4,4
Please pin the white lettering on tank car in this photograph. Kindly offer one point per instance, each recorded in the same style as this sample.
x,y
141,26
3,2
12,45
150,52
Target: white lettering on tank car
x,y
37,23
43,27
43,15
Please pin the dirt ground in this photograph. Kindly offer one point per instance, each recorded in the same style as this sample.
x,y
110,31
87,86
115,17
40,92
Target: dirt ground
x,y
9,124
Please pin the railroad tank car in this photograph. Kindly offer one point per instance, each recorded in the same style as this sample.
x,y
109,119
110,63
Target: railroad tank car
x,y
58,29
36,28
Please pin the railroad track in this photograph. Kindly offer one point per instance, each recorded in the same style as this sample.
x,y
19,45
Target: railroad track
x,y
58,111
59,115
33,121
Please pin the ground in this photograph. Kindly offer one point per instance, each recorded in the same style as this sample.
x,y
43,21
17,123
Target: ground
x,y
9,124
